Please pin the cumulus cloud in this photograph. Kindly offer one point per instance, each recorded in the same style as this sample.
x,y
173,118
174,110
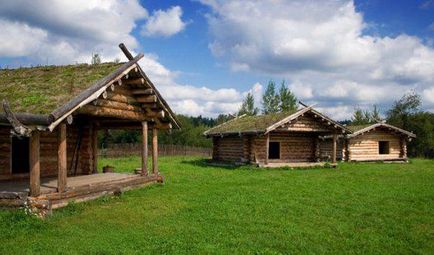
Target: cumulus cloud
x,y
193,100
321,48
61,32
164,23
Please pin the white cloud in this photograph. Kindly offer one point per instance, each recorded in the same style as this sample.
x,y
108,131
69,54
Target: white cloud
x,y
321,48
193,100
164,23
60,32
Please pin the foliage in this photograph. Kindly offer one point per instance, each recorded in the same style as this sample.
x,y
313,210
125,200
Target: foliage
x,y
406,114
361,117
270,99
288,101
191,133
363,208
248,106
96,59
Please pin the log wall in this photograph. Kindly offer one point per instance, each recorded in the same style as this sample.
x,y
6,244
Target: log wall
x,y
294,147
48,151
306,123
229,148
365,147
326,149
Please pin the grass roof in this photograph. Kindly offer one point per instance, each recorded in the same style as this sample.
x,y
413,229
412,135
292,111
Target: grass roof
x,y
42,89
355,128
249,123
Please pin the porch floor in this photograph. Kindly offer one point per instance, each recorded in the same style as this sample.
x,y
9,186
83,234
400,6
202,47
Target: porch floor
x,y
15,193
49,185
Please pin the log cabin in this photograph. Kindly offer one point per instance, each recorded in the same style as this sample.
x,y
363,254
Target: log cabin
x,y
49,124
376,142
279,139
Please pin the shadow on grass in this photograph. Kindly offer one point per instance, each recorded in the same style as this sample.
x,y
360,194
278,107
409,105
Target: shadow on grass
x,y
208,163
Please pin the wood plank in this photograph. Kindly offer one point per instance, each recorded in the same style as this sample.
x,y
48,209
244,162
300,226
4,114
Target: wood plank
x,y
145,148
35,170
62,159
155,151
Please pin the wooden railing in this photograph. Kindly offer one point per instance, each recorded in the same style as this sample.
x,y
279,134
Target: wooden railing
x,y
128,149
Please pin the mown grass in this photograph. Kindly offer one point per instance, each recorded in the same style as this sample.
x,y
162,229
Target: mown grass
x,y
356,208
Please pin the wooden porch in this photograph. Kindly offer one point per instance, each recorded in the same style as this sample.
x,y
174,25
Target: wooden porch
x,y
15,193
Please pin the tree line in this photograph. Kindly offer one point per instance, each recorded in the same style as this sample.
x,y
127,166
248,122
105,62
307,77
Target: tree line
x,y
405,113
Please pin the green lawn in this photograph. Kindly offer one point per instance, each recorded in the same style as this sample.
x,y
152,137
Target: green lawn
x,y
356,208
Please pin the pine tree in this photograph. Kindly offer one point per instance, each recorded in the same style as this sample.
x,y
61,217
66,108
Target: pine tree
x,y
270,100
248,106
360,117
375,115
288,101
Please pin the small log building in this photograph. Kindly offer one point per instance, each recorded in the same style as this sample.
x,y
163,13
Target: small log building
x,y
294,138
278,139
49,127
376,142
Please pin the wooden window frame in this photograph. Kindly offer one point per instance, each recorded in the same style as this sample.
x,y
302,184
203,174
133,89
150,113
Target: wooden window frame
x,y
383,147
280,150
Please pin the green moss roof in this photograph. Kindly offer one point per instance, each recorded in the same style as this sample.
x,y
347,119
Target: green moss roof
x,y
249,124
40,90
355,128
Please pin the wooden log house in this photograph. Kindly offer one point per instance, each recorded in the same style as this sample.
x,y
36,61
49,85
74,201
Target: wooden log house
x,y
300,138
376,142
290,138
49,126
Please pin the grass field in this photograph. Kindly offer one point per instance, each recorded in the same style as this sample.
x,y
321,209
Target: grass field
x,y
356,208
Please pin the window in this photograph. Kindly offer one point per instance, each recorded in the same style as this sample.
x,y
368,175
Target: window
x,y
20,155
383,147
274,150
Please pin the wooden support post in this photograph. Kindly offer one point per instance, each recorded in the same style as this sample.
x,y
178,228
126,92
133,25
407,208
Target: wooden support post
x,y
94,148
403,148
335,137
35,170
317,149
61,158
155,151
144,148
267,148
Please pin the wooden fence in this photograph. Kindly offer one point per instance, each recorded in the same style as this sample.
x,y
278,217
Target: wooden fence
x,y
128,149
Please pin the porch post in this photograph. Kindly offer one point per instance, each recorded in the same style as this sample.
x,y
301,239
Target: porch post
x,y
35,171
317,149
267,145
61,158
94,143
144,148
154,150
335,137
403,148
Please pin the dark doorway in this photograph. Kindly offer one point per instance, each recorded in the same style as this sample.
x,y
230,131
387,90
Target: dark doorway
x,y
383,147
20,155
274,150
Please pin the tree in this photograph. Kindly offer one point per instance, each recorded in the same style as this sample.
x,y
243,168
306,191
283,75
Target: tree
x,y
360,117
270,100
96,59
375,115
248,106
401,110
288,101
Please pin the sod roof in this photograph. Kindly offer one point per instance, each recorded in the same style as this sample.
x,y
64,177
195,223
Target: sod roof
x,y
42,89
355,128
247,124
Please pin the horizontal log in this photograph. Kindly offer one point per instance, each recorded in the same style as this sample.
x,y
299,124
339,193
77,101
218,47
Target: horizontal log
x,y
113,96
136,81
147,99
112,113
143,92
117,105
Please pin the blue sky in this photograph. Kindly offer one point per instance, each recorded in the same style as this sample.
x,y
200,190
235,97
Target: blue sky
x,y
205,55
